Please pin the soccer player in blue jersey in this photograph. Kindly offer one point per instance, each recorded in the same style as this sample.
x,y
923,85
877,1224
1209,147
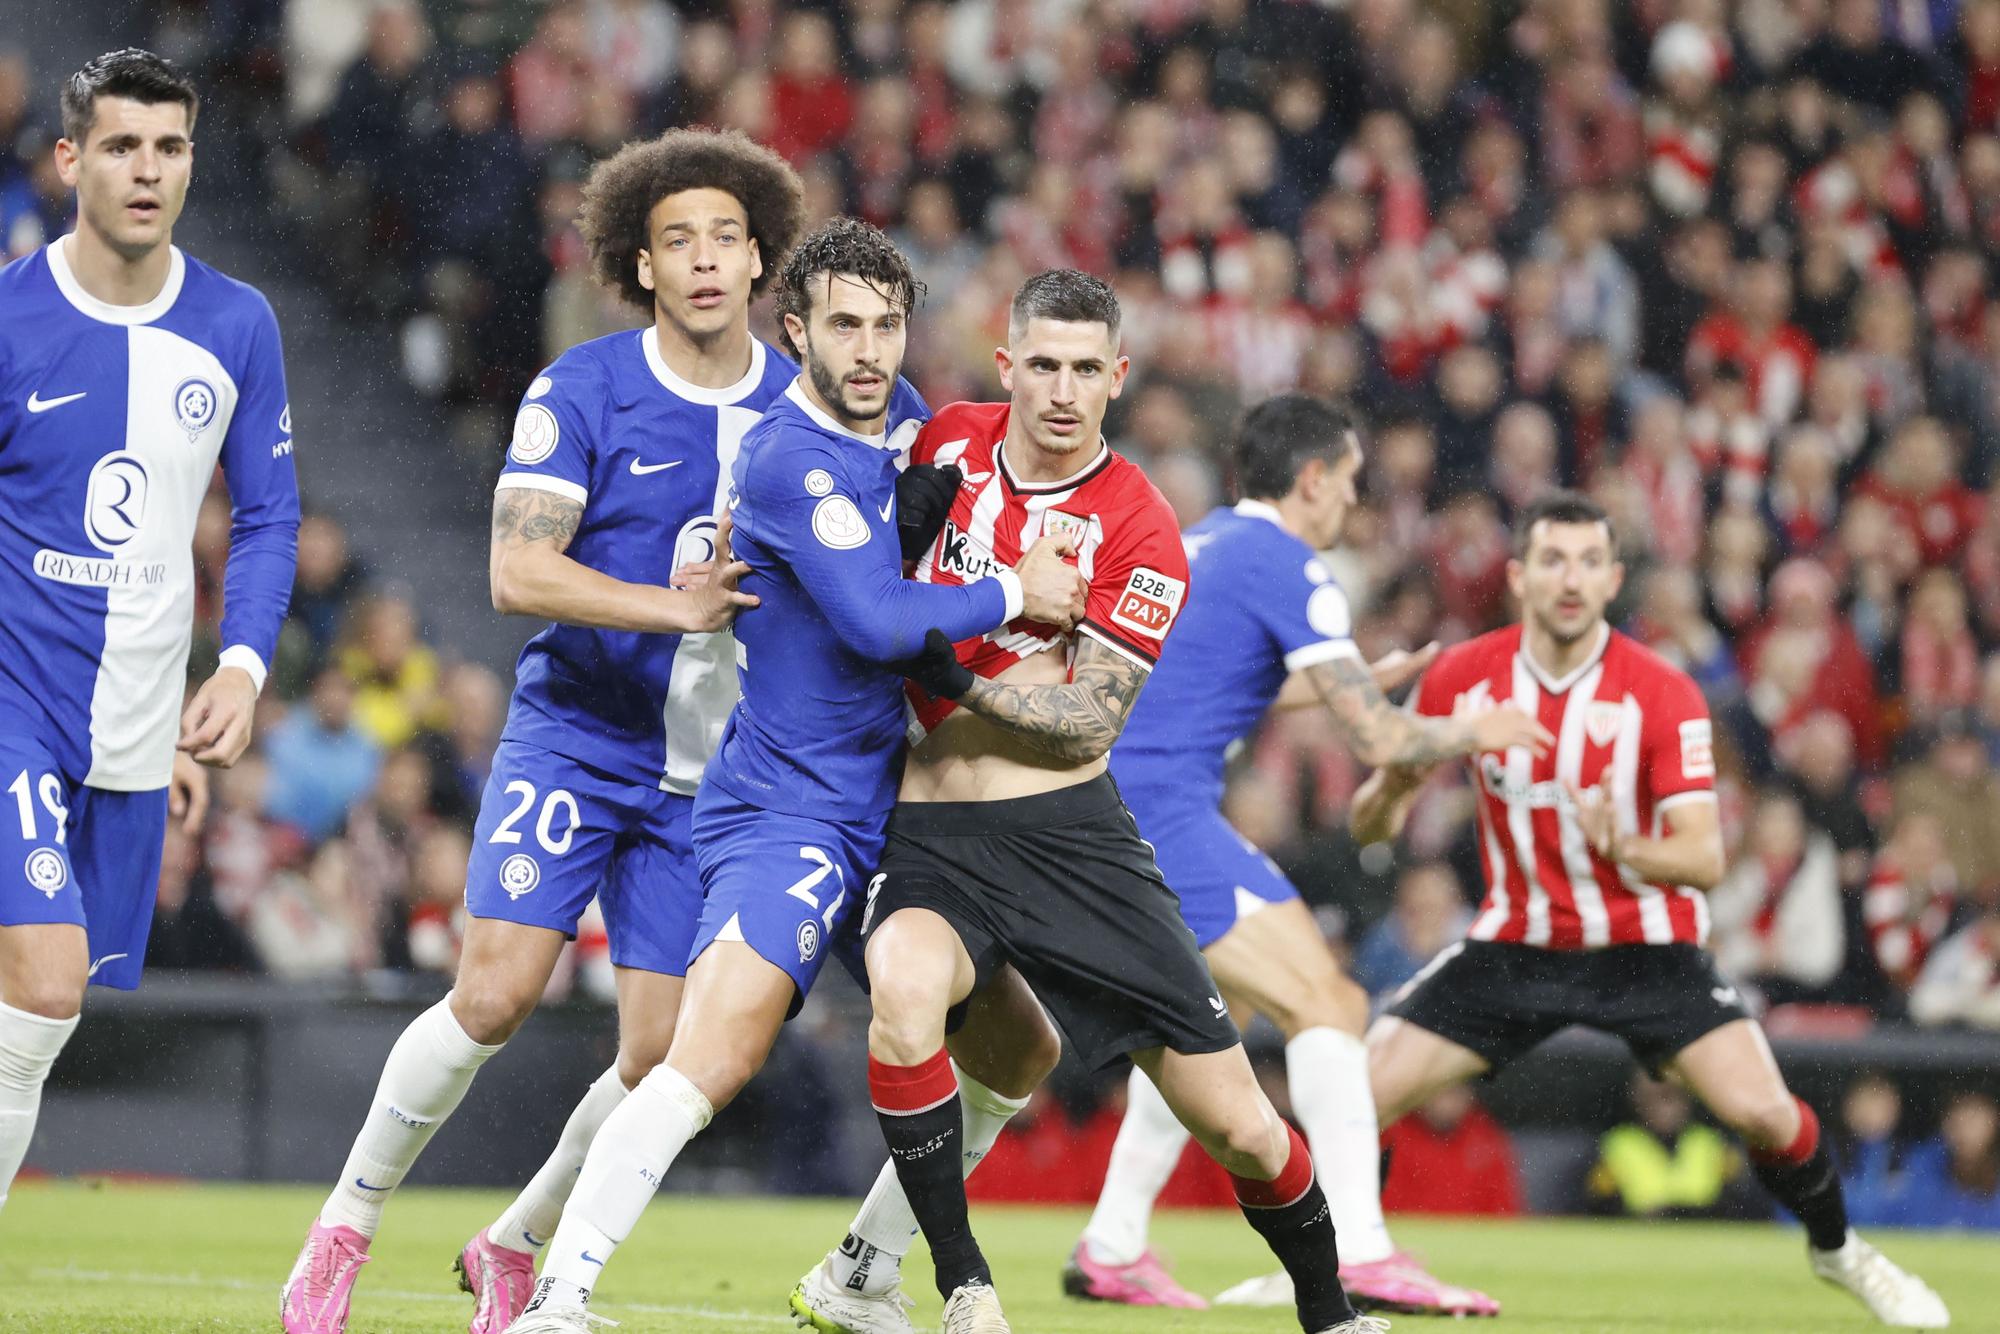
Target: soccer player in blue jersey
x,y
127,370
789,820
619,459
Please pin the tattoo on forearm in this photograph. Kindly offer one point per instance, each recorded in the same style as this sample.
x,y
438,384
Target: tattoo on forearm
x,y
522,515
1078,721
1374,729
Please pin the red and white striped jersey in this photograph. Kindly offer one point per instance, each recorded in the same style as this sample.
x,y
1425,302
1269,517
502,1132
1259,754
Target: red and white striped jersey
x,y
1128,544
1625,714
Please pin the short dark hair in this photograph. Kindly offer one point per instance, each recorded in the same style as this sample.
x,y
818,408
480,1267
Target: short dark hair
x,y
846,246
1069,295
619,197
1280,435
1559,507
129,72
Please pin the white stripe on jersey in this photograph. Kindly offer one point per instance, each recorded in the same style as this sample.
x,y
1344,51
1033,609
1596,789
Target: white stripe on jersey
x,y
702,686
1520,815
1654,924
1584,889
135,702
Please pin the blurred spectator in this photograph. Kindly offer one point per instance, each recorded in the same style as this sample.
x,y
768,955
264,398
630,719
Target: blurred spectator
x,y
1940,661
329,579
1956,784
376,870
1818,757
1872,1159
1911,896
1916,480
321,760
189,930
1776,920
1804,657
1960,983
1450,1156
436,921
395,673
1955,1180
1430,913
1663,1164
246,844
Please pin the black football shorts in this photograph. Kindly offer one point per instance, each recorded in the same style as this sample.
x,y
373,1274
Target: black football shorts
x,y
1500,1000
1061,886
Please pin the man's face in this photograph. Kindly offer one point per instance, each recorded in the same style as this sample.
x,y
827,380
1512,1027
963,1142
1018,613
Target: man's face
x,y
699,261
1061,375
852,346
131,172
1567,578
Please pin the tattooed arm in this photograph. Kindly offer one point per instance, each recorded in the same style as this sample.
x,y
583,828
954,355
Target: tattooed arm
x,y
530,575
1381,734
1077,721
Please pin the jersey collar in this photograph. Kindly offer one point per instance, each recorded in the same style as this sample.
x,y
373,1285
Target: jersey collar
x,y
1257,509
1551,684
694,393
795,391
1070,483
72,290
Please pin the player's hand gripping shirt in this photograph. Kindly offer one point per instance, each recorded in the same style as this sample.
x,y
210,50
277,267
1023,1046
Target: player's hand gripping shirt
x,y
1624,715
112,420
1268,607
647,454
1128,546
819,731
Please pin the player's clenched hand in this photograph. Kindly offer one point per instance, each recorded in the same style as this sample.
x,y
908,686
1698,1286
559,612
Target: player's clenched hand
x,y
1597,816
187,793
216,727
1506,727
1395,669
1052,591
937,668
924,493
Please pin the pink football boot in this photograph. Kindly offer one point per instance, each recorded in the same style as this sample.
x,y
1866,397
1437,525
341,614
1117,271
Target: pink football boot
x,y
1144,1282
500,1280
315,1297
1400,1284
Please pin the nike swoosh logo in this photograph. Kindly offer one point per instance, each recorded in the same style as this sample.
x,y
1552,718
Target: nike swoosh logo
x,y
641,469
533,1240
99,963
36,403
365,1186
888,505
593,1259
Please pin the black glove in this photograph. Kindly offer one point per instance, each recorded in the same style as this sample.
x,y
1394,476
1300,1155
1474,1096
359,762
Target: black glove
x,y
937,669
924,492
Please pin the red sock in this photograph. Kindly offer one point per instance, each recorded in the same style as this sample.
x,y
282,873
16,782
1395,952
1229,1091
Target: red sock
x,y
1803,1144
1293,1180
900,1090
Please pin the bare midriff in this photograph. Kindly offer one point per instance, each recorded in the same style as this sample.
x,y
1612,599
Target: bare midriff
x,y
967,758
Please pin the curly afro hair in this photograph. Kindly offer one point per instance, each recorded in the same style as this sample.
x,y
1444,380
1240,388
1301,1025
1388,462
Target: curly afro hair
x,y
618,200
846,246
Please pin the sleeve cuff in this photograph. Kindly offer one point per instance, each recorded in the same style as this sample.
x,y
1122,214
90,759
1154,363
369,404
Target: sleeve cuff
x,y
1314,654
536,481
246,658
1010,586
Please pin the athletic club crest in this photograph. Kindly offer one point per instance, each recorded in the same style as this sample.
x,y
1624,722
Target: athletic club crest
x,y
194,405
1603,720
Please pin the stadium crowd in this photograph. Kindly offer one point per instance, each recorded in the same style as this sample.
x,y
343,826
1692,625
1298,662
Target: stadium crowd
x,y
1729,267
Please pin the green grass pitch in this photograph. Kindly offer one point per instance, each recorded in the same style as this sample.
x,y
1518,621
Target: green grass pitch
x,y
125,1258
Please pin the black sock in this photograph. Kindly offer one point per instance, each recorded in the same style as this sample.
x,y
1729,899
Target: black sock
x,y
925,1129
1300,1234
1811,1190
1291,1215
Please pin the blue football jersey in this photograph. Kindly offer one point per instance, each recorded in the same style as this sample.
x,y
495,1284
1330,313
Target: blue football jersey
x,y
112,420
647,454
819,731
1268,607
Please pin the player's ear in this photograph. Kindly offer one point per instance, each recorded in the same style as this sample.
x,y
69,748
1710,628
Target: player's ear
x,y
1617,578
1119,370
69,162
795,333
1517,573
756,261
645,269
1004,360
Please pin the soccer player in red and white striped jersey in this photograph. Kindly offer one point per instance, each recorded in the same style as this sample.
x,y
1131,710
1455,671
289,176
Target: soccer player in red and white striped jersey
x,y
1597,857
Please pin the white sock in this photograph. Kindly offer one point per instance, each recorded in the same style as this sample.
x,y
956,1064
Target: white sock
x,y
29,1044
528,1222
428,1071
1147,1150
1328,1074
870,1259
627,1161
